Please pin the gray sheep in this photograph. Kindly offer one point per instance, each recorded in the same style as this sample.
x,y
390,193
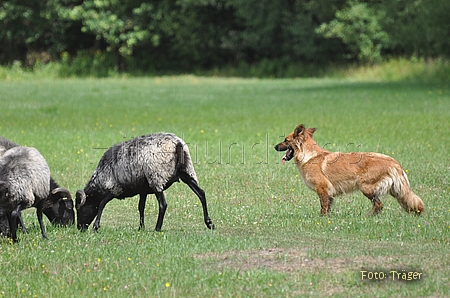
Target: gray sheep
x,y
24,182
5,145
58,206
144,165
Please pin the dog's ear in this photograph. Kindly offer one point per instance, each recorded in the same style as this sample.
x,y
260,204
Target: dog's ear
x,y
311,130
298,130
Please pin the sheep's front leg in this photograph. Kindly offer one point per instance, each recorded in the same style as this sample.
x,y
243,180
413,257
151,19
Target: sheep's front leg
x,y
162,210
142,200
102,205
22,224
13,222
39,216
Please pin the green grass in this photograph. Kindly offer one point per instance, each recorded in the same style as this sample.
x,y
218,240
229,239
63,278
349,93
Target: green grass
x,y
269,240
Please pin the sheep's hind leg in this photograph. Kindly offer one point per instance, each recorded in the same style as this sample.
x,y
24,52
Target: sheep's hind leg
x,y
142,200
162,210
201,195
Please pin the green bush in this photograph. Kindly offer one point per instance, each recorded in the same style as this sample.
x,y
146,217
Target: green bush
x,y
89,63
402,69
100,65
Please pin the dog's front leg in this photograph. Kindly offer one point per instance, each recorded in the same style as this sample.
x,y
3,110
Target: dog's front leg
x,y
330,203
325,201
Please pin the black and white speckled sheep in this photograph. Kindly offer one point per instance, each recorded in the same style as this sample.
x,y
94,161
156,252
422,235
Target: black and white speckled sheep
x,y
6,144
58,206
144,165
24,182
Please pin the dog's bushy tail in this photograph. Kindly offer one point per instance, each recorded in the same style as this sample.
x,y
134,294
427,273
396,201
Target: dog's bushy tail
x,y
401,190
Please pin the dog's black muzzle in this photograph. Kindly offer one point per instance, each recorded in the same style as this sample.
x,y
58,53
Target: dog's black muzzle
x,y
289,154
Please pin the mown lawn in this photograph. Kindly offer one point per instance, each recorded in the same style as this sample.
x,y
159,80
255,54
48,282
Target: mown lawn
x,y
270,240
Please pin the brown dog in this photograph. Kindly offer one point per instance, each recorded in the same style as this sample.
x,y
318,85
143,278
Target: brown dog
x,y
331,174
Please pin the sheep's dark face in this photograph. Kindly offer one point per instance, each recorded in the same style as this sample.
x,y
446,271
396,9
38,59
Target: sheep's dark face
x,y
85,216
4,223
4,190
86,210
61,213
60,210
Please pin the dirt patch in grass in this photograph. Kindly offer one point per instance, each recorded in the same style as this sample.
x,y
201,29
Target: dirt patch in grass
x,y
288,260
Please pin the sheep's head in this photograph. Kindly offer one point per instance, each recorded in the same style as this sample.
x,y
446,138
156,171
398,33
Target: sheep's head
x,y
4,223
60,208
86,210
4,190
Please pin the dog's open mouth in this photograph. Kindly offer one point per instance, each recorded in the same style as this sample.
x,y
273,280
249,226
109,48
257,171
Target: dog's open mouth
x,y
288,156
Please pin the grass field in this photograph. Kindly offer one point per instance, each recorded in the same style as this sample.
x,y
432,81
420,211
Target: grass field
x,y
270,240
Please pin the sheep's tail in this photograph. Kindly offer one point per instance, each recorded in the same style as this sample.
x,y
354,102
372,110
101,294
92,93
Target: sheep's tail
x,y
401,190
184,161
180,156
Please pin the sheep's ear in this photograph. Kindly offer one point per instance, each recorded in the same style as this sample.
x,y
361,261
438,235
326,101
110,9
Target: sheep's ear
x,y
80,199
68,203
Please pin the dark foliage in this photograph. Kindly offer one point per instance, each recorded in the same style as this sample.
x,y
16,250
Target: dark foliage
x,y
190,35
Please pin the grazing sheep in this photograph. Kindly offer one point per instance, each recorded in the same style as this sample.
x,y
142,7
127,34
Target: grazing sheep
x,y
24,182
58,206
6,144
145,165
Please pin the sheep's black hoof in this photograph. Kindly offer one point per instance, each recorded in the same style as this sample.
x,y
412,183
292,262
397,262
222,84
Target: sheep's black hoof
x,y
210,224
82,227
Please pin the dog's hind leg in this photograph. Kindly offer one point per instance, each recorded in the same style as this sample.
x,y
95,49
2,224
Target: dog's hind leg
x,y
372,192
377,205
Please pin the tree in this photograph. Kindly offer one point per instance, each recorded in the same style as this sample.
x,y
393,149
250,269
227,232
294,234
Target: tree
x,y
31,28
282,29
186,35
420,28
358,26
120,24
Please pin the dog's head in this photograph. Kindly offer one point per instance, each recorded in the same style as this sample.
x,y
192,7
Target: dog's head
x,y
294,141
